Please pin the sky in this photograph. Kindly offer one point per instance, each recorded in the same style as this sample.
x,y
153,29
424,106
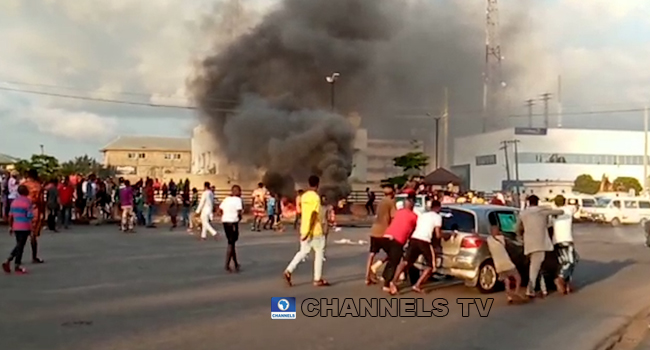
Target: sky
x,y
144,51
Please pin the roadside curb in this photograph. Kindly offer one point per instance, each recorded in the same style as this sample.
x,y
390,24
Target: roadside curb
x,y
615,338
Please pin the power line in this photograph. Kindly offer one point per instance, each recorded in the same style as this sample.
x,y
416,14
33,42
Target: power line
x,y
125,93
231,110
94,99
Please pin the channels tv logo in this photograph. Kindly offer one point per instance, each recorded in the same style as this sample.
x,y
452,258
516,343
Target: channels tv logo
x,y
283,308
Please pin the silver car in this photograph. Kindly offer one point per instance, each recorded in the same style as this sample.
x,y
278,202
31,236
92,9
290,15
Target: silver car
x,y
462,252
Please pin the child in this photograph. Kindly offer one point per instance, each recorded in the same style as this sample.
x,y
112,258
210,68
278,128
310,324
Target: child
x,y
20,225
503,264
172,210
270,212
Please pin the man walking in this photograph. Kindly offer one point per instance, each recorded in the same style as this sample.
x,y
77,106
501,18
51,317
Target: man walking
x,y
127,202
12,191
20,225
231,214
36,195
311,234
563,242
205,210
533,223
66,193
150,202
385,213
259,206
370,204
53,204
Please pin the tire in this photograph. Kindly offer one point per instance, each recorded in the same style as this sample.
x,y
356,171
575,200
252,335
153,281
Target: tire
x,y
643,222
488,279
616,222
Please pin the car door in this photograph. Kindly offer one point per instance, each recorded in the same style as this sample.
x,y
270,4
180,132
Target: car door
x,y
507,220
631,212
456,225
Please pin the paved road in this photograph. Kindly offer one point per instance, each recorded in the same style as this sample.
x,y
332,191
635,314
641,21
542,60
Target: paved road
x,y
164,290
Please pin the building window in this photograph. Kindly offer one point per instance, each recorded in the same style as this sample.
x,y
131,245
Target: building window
x,y
177,156
131,155
168,156
142,155
567,158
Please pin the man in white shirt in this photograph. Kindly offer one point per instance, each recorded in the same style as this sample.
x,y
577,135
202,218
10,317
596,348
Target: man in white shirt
x,y
563,242
205,209
231,209
428,225
12,190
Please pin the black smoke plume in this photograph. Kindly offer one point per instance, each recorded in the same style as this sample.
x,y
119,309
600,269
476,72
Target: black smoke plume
x,y
266,100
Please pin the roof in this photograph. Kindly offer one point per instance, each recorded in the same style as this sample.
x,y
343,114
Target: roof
x,y
151,143
478,208
442,177
6,159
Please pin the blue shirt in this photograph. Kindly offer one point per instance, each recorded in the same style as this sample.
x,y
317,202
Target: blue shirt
x,y
270,206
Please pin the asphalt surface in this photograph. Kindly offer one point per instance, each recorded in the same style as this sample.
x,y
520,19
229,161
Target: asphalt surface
x,y
157,289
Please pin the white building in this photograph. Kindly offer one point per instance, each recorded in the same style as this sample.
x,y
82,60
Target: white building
x,y
548,155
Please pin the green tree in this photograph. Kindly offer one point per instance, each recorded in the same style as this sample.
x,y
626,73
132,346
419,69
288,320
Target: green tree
x,y
625,183
47,166
86,165
586,184
411,163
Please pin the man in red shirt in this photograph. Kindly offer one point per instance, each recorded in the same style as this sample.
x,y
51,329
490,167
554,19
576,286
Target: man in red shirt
x,y
397,234
150,201
66,194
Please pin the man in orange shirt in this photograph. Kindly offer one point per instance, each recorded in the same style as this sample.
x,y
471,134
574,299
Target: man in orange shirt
x,y
36,195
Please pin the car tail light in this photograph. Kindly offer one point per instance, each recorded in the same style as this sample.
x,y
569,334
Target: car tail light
x,y
471,242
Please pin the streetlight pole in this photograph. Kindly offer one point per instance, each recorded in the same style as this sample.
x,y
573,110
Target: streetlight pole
x,y
332,81
437,119
42,149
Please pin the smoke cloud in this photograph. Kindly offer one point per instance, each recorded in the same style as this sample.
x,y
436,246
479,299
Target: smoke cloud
x,y
394,57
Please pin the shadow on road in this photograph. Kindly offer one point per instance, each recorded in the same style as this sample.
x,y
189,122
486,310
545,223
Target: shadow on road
x,y
590,271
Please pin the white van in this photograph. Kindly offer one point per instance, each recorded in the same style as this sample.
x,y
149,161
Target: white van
x,y
622,210
585,205
420,203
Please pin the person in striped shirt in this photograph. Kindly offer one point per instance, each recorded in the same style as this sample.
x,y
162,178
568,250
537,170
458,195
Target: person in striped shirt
x,y
20,225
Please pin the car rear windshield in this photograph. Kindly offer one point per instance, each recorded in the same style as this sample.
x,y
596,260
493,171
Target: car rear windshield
x,y
457,220
588,203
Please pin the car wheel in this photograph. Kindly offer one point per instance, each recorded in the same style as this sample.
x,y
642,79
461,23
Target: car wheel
x,y
487,278
643,222
616,222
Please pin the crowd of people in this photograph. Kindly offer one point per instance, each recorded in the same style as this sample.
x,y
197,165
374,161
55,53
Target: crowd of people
x,y
404,236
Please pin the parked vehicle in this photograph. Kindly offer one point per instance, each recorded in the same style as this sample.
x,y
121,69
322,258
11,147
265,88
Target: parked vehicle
x,y
463,253
420,203
622,210
584,204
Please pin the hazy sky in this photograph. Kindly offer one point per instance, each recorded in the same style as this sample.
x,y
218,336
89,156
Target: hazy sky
x,y
144,50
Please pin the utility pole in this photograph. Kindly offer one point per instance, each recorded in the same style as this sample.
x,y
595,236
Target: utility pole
x,y
437,162
530,103
516,149
445,132
505,153
645,150
546,97
493,58
42,149
559,101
